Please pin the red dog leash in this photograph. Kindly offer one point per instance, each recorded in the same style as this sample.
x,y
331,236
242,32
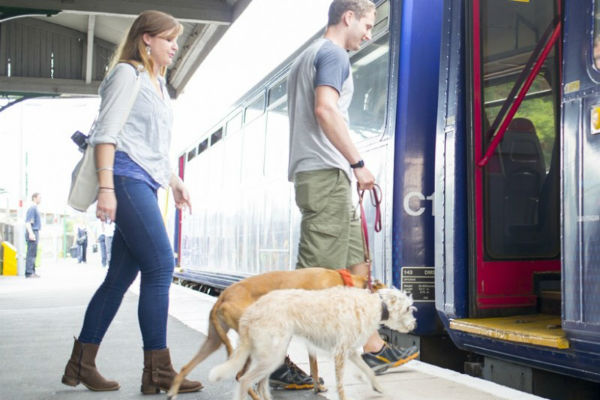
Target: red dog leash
x,y
376,202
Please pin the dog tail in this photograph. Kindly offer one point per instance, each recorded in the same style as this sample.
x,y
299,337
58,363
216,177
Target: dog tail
x,y
216,325
232,366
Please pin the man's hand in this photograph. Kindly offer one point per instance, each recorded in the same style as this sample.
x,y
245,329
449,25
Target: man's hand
x,y
31,237
365,178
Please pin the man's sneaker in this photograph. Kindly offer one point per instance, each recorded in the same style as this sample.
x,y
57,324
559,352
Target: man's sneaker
x,y
389,357
289,376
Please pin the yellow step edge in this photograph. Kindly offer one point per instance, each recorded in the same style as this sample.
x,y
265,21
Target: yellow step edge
x,y
536,329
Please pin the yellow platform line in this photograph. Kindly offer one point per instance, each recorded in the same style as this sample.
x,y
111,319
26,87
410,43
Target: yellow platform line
x,y
537,329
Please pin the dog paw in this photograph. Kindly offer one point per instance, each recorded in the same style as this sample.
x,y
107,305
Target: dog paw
x,y
320,388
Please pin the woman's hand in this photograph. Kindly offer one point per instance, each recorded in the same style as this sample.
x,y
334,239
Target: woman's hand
x,y
180,193
106,208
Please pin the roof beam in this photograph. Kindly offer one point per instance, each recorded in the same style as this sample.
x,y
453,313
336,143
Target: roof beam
x,y
89,56
200,11
48,86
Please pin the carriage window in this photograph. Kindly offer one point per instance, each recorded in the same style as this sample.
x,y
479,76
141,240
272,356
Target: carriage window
x,y
216,136
383,19
521,179
255,109
191,154
277,92
234,124
370,69
277,142
203,146
539,98
596,45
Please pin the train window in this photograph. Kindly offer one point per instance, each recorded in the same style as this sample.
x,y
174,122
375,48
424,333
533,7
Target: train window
x,y
216,136
382,19
520,182
203,146
191,154
253,150
234,124
277,142
255,109
370,70
277,92
539,98
596,44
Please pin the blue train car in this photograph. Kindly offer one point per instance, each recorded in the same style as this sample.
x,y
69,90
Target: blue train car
x,y
517,277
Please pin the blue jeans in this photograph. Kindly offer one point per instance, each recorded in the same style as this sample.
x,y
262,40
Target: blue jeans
x,y
102,243
82,252
140,243
32,246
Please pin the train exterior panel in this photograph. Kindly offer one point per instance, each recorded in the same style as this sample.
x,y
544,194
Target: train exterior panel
x,y
581,179
414,155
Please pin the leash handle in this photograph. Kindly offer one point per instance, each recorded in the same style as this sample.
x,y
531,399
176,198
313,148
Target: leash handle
x,y
376,202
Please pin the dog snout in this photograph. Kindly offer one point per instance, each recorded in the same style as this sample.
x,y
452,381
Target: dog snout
x,y
413,325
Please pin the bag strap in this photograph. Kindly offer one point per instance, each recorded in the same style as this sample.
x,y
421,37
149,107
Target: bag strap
x,y
136,90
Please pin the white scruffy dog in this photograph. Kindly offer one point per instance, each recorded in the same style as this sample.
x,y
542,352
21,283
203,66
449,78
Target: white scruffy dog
x,y
339,320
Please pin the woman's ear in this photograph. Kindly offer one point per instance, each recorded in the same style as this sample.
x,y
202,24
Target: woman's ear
x,y
146,38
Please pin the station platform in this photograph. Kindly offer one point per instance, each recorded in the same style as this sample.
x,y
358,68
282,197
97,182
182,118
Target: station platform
x,y
40,316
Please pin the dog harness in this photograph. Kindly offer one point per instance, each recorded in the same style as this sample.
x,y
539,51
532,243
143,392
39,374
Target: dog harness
x,y
346,278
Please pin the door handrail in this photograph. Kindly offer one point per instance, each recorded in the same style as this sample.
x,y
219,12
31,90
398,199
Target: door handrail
x,y
522,92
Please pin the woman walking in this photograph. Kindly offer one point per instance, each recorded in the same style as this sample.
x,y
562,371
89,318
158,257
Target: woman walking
x,y
131,139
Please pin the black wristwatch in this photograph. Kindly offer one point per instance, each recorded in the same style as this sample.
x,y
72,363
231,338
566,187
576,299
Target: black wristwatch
x,y
359,164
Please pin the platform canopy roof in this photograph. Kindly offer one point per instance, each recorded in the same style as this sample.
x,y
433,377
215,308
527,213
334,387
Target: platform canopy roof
x,y
62,47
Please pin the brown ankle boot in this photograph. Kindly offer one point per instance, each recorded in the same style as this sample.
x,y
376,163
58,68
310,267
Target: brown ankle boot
x,y
82,368
159,374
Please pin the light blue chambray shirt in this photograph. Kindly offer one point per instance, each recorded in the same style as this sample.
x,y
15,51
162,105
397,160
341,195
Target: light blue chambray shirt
x,y
146,135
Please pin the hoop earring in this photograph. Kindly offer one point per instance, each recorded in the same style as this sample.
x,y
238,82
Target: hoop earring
x,y
148,50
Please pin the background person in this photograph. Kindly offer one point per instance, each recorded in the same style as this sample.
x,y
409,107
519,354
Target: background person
x,y
323,159
82,243
105,241
33,224
132,161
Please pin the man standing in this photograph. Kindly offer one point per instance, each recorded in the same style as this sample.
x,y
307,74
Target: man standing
x,y
323,159
105,241
82,242
33,224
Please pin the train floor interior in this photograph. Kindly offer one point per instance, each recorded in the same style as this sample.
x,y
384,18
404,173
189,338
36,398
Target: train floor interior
x,y
537,329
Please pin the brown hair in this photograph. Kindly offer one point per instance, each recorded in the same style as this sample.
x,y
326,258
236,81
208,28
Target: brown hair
x,y
339,7
133,49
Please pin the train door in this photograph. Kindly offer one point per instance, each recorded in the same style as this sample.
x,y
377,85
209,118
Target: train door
x,y
513,157
581,175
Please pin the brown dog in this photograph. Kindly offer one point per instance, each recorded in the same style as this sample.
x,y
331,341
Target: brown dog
x,y
234,300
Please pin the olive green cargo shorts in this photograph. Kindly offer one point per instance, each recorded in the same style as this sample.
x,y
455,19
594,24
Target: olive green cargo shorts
x,y
330,234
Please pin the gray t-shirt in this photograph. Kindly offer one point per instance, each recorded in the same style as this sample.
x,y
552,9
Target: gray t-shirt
x,y
322,63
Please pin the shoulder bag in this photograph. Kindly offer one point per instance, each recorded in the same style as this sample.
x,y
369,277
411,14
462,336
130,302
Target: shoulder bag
x,y
84,179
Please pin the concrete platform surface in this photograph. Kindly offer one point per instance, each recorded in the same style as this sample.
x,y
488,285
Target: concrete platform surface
x,y
39,317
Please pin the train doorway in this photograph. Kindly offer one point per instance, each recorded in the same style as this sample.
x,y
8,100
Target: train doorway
x,y
514,166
